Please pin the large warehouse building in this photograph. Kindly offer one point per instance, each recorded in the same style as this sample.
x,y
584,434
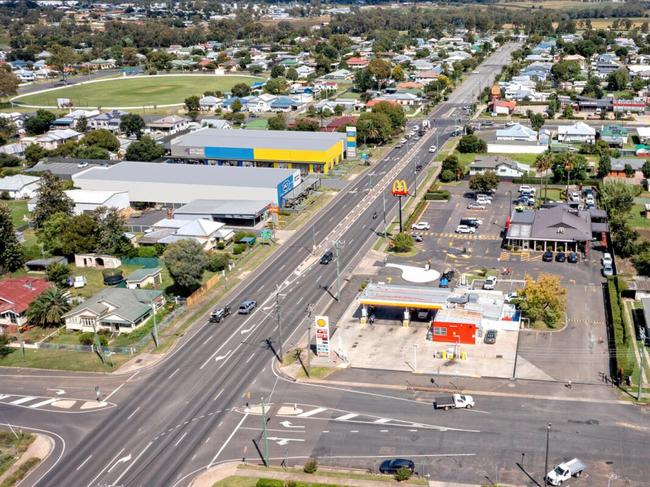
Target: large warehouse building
x,y
178,184
310,152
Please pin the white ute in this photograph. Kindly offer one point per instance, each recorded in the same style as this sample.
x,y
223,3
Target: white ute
x,y
564,471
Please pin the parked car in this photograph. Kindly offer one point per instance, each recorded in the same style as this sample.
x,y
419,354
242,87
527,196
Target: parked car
x,y
526,188
420,226
392,466
510,297
327,257
465,229
433,148
219,314
490,282
572,258
608,270
564,471
483,200
471,222
418,238
454,401
490,337
247,306
607,259
560,257
575,196
476,206
548,256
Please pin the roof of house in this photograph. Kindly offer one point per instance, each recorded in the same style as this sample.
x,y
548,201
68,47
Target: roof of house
x,y
17,293
130,304
16,182
620,163
614,131
87,196
556,223
578,128
222,207
140,275
516,130
167,121
492,162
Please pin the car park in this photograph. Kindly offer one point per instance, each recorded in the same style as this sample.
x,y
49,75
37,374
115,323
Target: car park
x,y
247,306
572,258
465,229
327,257
393,465
476,206
547,256
420,226
490,337
560,257
219,314
490,283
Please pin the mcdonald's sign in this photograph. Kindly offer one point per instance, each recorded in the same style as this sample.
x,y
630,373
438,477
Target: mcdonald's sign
x,y
400,188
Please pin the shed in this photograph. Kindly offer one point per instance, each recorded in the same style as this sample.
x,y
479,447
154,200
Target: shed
x,y
456,326
144,277
97,261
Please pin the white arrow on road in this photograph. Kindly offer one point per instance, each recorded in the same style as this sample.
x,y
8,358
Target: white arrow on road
x,y
221,357
121,460
287,424
59,392
283,441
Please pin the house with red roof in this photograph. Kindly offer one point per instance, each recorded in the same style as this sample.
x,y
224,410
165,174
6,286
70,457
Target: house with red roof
x,y
16,294
357,62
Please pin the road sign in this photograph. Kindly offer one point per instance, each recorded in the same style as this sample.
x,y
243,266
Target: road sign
x,y
322,335
266,235
364,156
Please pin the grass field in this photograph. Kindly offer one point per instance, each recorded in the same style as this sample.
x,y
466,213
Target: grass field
x,y
18,210
637,218
146,90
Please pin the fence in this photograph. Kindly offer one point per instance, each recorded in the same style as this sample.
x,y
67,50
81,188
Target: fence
x,y
146,262
198,295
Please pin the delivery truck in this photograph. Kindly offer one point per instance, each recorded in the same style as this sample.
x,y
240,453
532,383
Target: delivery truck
x,y
455,401
564,471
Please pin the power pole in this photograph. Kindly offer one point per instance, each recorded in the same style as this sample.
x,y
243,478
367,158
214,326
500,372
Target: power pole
x,y
415,179
310,310
383,198
548,433
265,435
338,245
155,326
278,321
642,336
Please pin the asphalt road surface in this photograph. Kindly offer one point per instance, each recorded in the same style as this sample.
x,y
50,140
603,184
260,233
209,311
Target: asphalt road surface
x,y
170,421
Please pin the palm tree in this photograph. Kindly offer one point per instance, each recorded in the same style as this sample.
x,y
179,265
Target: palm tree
x,y
48,309
569,164
543,163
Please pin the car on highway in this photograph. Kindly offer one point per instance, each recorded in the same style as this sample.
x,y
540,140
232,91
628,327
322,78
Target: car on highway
x,y
247,306
219,314
572,258
560,257
327,257
465,229
490,283
420,226
547,256
433,148
82,164
476,206
510,124
490,337
393,465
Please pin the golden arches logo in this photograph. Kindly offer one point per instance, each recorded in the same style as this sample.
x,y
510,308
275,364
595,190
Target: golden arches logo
x,y
400,188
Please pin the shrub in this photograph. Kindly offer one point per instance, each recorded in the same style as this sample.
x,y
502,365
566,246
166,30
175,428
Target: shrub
x,y
269,483
147,252
402,474
239,249
447,175
310,466
221,245
438,195
218,262
89,339
5,195
402,242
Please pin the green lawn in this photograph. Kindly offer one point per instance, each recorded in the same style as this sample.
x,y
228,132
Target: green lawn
x,y
18,210
11,447
146,90
637,218
60,360
528,159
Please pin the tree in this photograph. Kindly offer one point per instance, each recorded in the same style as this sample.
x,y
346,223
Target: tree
x,y
50,200
374,128
240,90
101,138
110,237
305,124
645,169
543,163
39,123
292,74
277,71
629,170
192,103
618,80
186,262
82,124
34,153
451,169
132,124
8,160
48,309
236,106
642,262
484,183
363,80
536,120
146,149
8,84
605,165
159,61
80,235
276,86
278,122
402,242
617,197
380,69
58,274
394,112
90,152
543,301
567,112
624,237
61,57
471,144
11,255
565,70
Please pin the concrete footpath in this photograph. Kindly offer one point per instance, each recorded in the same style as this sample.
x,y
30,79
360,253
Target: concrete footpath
x,y
221,472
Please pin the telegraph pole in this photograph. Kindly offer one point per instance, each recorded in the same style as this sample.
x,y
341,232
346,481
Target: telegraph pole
x,y
548,432
265,435
642,336
415,178
155,326
278,321
310,310
338,245
383,198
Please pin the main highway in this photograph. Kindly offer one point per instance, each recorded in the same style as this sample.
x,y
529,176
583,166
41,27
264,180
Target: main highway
x,y
173,419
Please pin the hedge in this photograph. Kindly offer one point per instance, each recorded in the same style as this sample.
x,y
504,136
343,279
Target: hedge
x,y
290,483
415,216
624,353
437,195
538,180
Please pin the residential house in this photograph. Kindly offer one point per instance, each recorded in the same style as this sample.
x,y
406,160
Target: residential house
x,y
605,64
72,119
614,135
357,62
502,107
305,71
206,232
339,74
144,278
114,309
578,133
405,99
422,65
54,138
517,132
501,166
346,103
618,166
644,134
639,71
169,125
286,104
19,186
108,120
86,201
16,294
426,77
210,103
633,106
215,123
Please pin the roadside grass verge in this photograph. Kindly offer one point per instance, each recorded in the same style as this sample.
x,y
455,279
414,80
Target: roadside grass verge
x,y
20,472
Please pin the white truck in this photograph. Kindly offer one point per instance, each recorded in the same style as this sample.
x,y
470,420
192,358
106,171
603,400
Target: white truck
x,y
456,401
564,471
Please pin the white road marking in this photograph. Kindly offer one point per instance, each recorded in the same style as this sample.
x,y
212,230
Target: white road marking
x,y
382,420
181,439
134,411
284,441
346,417
287,424
312,412
92,482
43,403
383,431
227,440
117,480
4,396
121,460
22,400
354,431
174,373
59,392
251,357
218,394
114,391
84,462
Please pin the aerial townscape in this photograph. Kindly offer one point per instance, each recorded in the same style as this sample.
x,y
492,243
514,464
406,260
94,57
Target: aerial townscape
x,y
346,243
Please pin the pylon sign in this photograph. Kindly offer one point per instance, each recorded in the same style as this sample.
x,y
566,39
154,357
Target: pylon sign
x,y
322,335
400,188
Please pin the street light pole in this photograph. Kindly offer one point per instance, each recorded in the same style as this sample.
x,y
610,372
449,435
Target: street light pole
x,y
642,337
338,244
548,433
278,320
265,435
415,179
310,309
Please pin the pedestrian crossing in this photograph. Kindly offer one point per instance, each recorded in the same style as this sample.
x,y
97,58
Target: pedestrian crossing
x,y
460,236
52,403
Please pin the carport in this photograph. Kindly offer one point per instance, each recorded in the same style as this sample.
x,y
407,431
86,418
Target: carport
x,y
402,297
